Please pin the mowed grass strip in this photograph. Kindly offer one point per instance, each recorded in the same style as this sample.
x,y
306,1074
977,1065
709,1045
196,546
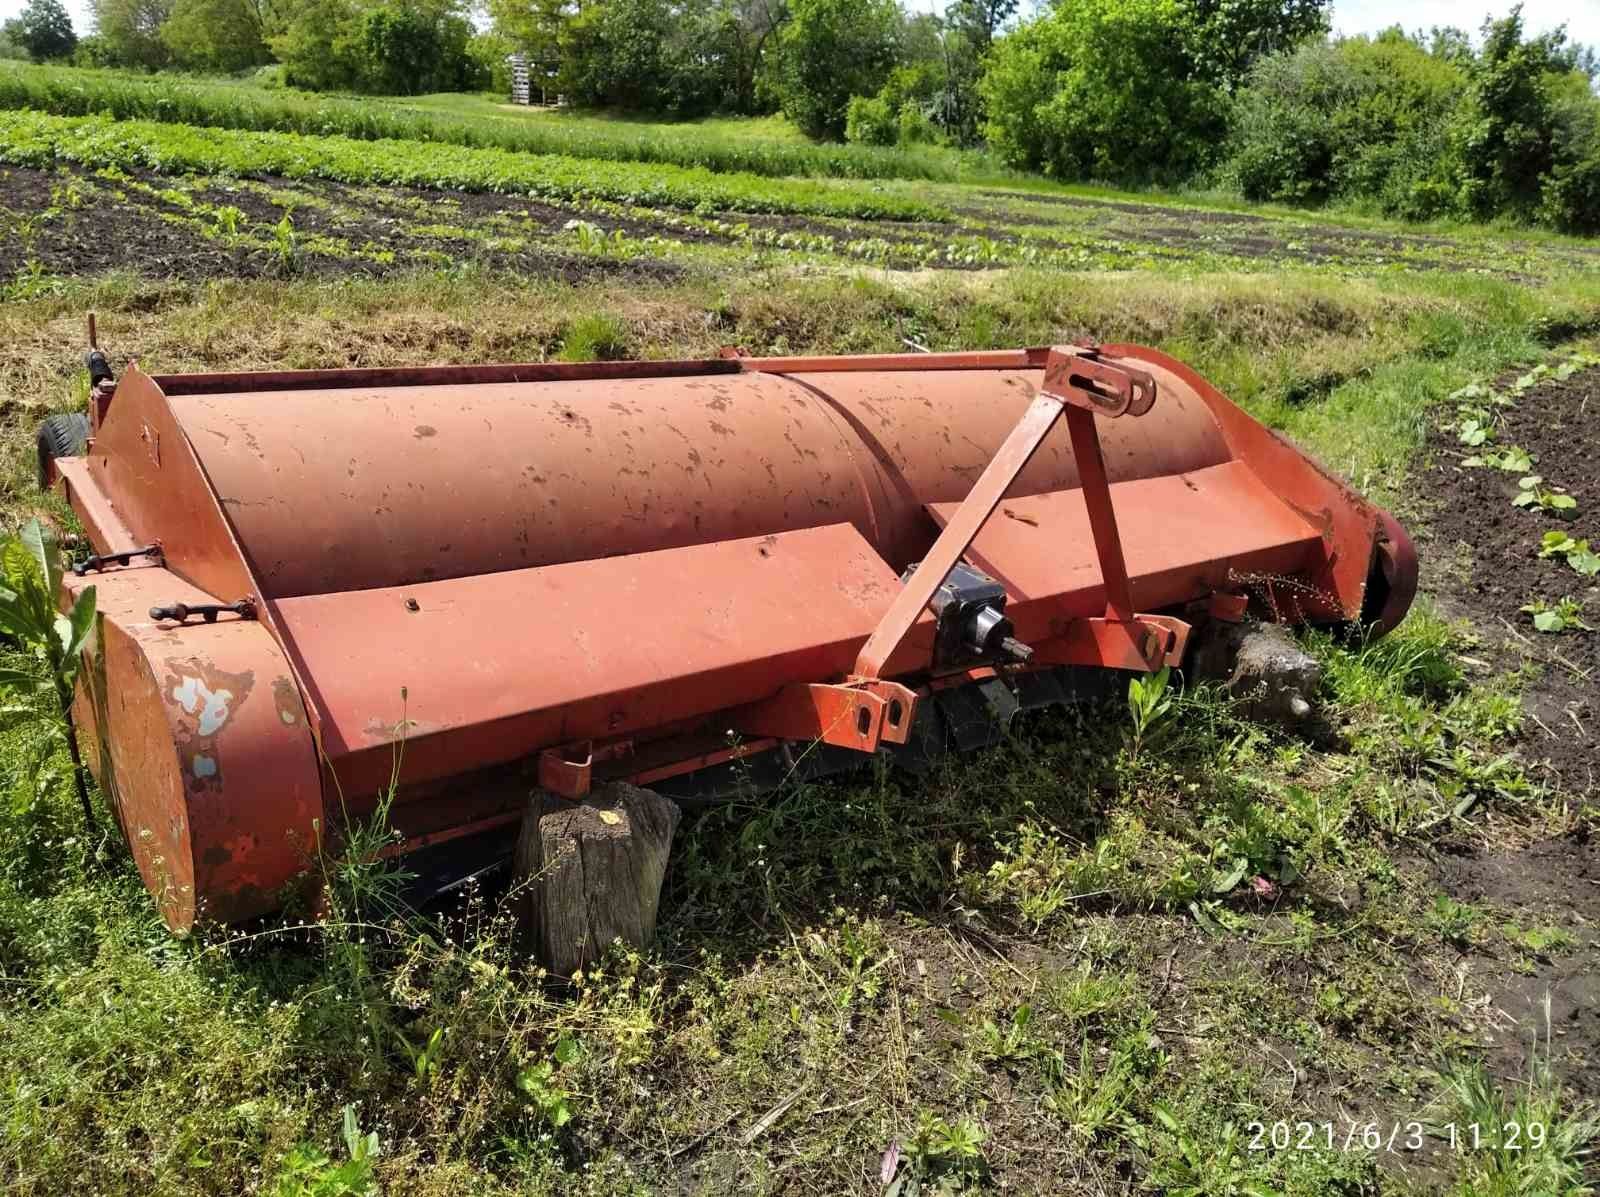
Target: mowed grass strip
x,y
30,138
466,121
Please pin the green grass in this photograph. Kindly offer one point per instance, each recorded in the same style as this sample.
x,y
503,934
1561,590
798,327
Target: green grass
x,y
768,147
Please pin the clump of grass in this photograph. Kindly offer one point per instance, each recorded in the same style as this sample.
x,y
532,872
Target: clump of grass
x,y
1538,1139
594,337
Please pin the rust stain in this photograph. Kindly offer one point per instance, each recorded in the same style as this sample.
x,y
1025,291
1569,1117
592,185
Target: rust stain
x,y
287,699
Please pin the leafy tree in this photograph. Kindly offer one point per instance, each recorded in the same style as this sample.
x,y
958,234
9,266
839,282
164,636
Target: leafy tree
x,y
533,27
407,49
1508,147
128,32
751,28
830,51
44,30
677,58
979,20
1102,89
215,35
489,52
397,48
319,45
969,31
1226,37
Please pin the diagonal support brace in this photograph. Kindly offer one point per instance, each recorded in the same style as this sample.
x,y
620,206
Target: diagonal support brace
x,y
1078,384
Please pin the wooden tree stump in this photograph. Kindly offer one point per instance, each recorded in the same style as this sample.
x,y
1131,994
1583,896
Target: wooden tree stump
x,y
591,872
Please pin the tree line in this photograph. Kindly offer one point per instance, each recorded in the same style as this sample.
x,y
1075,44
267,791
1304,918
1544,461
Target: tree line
x,y
1249,95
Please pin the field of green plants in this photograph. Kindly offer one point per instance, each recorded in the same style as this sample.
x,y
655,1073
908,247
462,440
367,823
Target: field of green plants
x,y
1149,946
714,145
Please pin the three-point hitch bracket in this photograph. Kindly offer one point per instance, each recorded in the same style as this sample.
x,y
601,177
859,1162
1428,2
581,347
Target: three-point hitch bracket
x,y
865,710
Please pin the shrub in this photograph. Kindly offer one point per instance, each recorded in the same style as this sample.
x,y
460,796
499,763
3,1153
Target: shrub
x,y
1360,118
916,127
1570,200
869,120
1425,132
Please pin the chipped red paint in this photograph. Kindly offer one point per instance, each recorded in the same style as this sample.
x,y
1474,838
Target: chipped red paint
x,y
460,567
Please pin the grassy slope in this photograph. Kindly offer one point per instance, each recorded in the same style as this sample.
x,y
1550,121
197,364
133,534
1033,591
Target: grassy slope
x,y
857,958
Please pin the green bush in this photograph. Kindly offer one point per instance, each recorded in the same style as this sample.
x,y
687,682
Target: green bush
x,y
1570,200
1361,118
1512,131
870,120
899,113
1103,89
915,127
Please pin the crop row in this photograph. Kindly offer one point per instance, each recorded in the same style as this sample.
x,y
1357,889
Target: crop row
x,y
66,91
37,139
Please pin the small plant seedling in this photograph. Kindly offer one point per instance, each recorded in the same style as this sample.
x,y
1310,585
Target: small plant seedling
x,y
941,1157
1576,553
1526,382
1541,941
227,219
1513,459
1009,1042
540,1085
1453,920
1557,617
425,1059
285,244
1473,431
310,1172
1532,492
1149,703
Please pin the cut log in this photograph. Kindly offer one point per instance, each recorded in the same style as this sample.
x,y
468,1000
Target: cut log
x,y
591,872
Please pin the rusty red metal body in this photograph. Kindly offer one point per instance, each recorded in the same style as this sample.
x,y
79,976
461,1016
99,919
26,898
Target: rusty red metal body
x,y
476,580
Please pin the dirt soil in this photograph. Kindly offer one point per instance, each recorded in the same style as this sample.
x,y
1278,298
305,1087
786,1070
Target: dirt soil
x,y
1482,562
73,222
45,232
1553,882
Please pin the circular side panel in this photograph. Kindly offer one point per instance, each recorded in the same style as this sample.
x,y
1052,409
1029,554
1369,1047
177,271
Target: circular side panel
x,y
212,766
